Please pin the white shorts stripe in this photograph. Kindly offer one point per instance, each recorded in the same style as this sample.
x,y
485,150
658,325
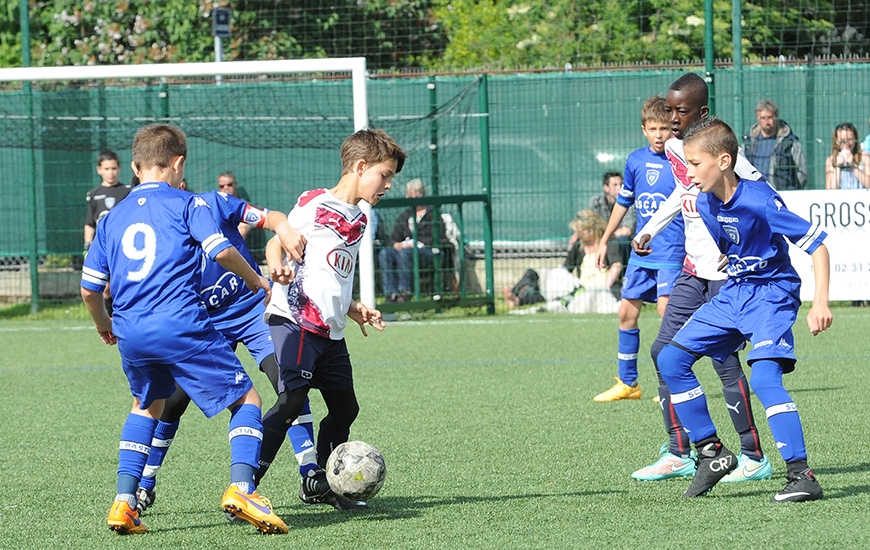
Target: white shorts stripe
x,y
781,408
694,393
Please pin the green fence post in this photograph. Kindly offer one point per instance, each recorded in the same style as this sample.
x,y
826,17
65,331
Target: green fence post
x,y
29,172
486,180
736,41
435,175
709,54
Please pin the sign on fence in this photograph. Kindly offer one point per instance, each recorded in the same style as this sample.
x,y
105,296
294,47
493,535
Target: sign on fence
x,y
845,217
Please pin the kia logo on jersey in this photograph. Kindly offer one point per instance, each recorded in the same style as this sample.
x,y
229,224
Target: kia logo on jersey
x,y
341,261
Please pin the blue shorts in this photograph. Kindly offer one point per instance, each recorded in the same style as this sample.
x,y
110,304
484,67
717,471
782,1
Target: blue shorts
x,y
252,331
308,359
647,284
213,378
761,313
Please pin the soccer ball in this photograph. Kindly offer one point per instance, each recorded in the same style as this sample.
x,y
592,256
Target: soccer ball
x,y
356,470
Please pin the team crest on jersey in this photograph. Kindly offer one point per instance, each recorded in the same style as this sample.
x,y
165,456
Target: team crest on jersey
x,y
141,201
732,233
110,202
341,261
652,176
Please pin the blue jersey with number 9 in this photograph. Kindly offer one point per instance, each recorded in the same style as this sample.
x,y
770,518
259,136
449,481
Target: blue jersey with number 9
x,y
148,249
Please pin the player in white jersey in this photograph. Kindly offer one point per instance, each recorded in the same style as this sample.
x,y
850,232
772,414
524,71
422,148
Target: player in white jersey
x,y
312,300
700,280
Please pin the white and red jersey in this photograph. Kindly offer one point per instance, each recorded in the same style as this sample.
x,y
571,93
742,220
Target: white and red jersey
x,y
702,254
320,295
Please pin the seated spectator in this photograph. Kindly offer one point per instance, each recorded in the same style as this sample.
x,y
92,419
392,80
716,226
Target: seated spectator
x,y
847,167
396,259
583,287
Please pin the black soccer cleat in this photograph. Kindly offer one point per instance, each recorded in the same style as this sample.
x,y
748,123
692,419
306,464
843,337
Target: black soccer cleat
x,y
714,463
801,487
144,499
315,489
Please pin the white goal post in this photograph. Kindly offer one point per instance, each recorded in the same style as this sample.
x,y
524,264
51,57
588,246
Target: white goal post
x,y
356,66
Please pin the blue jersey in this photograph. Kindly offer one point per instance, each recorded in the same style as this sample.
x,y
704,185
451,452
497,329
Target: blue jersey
x,y
150,245
224,293
751,229
647,182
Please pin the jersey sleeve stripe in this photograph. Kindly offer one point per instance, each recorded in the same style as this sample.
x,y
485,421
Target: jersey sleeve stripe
x,y
812,234
211,242
94,277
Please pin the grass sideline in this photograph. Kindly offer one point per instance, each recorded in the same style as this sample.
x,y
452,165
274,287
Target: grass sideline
x,y
489,430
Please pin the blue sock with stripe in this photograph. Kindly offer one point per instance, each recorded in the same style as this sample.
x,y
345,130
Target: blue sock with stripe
x,y
136,436
246,438
163,436
782,414
301,435
687,395
627,350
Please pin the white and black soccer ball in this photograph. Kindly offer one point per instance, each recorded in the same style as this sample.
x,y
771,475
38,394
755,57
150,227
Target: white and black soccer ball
x,y
356,470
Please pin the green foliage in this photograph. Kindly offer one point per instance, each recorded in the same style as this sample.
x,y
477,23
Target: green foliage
x,y
507,33
431,34
140,31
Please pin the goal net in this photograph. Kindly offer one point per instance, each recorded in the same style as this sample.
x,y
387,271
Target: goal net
x,y
278,125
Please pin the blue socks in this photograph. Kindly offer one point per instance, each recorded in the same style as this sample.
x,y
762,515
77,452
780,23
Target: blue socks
x,y
782,414
246,438
687,396
301,434
136,436
629,346
163,436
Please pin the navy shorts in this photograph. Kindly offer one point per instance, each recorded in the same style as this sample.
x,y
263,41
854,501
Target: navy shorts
x,y
688,294
308,359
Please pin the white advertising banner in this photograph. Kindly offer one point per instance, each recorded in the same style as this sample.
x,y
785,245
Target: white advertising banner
x,y
845,216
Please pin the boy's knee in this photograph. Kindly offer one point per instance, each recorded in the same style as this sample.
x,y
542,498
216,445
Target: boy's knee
x,y
674,361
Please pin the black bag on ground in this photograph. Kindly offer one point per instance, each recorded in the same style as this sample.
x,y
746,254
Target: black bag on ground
x,y
527,288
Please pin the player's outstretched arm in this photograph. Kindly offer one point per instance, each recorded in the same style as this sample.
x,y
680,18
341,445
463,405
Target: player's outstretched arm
x,y
366,316
279,271
291,240
231,260
97,308
820,317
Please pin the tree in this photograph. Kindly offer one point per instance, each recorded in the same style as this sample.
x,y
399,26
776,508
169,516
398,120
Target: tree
x,y
511,33
391,34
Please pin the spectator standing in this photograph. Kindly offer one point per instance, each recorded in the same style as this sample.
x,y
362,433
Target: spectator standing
x,y
847,167
773,147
